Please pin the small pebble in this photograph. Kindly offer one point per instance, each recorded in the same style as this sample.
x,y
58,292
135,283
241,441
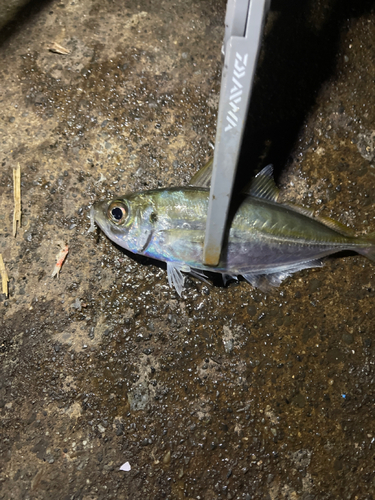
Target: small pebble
x,y
347,338
167,458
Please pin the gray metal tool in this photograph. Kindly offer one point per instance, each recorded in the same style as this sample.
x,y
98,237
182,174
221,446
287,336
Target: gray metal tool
x,y
244,23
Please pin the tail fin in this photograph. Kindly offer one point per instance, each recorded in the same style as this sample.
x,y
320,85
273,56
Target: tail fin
x,y
368,251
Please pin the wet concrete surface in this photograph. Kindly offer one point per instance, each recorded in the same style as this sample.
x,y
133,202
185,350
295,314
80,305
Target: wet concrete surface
x,y
227,393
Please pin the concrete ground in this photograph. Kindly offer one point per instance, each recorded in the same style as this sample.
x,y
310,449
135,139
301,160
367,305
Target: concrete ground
x,y
227,393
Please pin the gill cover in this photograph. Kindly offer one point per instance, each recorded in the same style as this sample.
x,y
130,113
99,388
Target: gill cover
x,y
140,229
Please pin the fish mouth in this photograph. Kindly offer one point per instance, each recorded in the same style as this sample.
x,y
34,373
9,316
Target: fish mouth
x,y
96,216
99,217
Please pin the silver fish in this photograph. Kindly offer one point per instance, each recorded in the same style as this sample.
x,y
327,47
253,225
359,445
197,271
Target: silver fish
x,y
267,241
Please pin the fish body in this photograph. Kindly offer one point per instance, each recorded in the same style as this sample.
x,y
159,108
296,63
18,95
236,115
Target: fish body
x,y
267,241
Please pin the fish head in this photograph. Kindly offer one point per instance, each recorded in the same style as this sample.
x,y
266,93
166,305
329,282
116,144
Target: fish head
x,y
126,220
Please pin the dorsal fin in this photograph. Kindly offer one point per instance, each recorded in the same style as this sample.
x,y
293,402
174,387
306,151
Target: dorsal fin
x,y
263,185
203,177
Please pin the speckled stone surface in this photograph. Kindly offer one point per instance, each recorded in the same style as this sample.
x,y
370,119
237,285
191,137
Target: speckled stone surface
x,y
227,393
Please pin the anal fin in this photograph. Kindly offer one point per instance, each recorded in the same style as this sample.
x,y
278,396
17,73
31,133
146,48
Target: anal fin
x,y
266,281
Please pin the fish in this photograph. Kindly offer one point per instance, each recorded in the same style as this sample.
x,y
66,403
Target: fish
x,y
267,241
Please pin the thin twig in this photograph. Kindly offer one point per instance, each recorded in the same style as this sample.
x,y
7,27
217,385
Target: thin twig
x,y
4,277
17,198
58,49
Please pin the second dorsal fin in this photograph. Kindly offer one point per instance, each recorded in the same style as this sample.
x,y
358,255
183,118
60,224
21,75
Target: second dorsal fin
x,y
331,223
336,226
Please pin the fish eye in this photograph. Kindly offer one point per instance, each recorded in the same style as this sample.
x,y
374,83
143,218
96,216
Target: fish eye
x,y
117,212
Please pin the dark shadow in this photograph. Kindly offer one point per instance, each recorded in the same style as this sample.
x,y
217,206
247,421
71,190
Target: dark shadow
x,y
297,58
23,16
215,279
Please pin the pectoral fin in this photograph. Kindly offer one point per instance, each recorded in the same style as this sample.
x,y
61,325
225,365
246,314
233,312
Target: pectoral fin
x,y
175,277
